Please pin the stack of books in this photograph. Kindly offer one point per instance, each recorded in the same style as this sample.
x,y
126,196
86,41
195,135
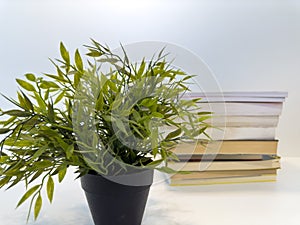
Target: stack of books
x,y
243,146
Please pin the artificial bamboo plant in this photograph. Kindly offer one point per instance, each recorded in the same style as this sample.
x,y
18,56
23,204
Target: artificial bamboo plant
x,y
83,117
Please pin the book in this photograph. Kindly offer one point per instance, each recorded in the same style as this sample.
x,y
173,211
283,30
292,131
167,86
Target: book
x,y
237,96
224,180
242,108
221,174
240,133
267,147
269,162
243,121
220,157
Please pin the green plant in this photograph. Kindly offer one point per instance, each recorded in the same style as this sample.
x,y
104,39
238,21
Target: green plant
x,y
82,117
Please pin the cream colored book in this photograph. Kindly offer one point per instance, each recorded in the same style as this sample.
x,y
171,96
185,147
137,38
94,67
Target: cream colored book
x,y
221,174
240,133
242,108
267,163
243,121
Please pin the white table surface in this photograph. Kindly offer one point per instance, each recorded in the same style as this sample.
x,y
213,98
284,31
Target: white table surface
x,y
276,203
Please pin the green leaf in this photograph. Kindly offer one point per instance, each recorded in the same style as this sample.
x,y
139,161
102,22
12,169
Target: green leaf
x,y
48,84
50,189
18,113
24,84
141,69
78,61
119,123
62,173
204,113
9,121
64,53
4,181
203,118
4,130
37,154
38,206
166,169
43,164
46,96
51,114
28,194
77,79
174,134
60,97
28,103
58,78
36,175
3,158
155,163
40,101
69,151
22,101
94,53
30,77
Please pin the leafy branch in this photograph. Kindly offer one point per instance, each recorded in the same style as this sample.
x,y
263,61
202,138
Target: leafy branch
x,y
83,117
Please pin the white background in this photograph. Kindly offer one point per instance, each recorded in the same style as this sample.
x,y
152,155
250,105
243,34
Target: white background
x,y
250,45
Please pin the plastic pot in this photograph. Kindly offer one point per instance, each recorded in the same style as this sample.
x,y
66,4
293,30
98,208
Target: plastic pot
x,y
117,200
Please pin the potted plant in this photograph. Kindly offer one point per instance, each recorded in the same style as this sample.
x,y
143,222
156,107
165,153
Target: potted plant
x,y
103,117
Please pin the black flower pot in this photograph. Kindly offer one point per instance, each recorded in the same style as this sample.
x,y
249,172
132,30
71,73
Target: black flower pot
x,y
119,200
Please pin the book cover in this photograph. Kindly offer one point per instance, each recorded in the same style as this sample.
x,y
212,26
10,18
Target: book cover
x,y
228,147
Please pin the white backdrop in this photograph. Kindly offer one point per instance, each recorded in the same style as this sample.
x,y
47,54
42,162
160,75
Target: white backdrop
x,y
249,44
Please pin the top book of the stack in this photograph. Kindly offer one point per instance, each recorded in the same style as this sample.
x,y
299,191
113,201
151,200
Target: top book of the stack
x,y
271,96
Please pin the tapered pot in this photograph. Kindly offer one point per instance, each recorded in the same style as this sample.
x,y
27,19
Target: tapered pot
x,y
117,200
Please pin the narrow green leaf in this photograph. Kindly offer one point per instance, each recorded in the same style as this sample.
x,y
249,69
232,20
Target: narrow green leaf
x,y
37,154
155,163
94,53
50,189
69,151
174,134
120,125
30,77
4,130
166,170
203,118
36,175
40,101
28,103
3,158
4,181
24,84
78,61
28,194
204,113
38,206
9,121
22,101
48,84
51,114
62,174
141,69
64,53
18,113
46,96
58,78
43,164
60,97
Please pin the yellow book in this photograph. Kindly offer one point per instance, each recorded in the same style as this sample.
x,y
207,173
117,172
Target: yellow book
x,y
226,180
